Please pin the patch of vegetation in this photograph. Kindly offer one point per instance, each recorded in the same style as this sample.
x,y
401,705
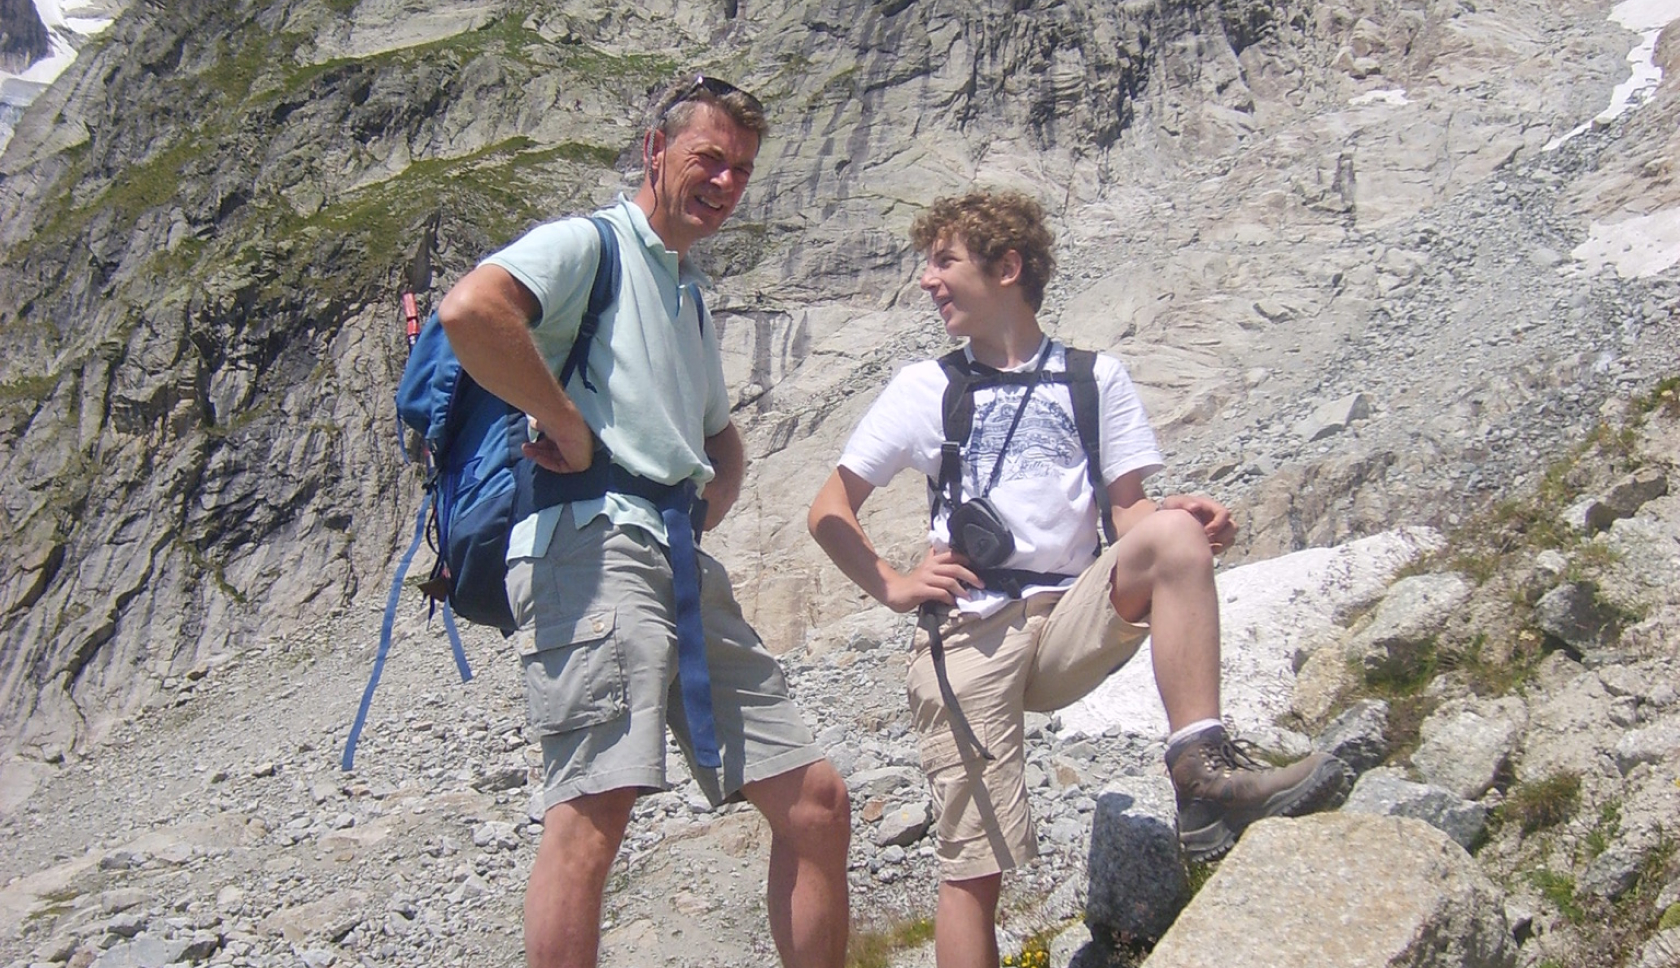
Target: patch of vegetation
x,y
1540,804
1599,839
244,57
874,948
148,185
215,569
1035,953
1588,559
375,227
33,388
1670,918
1401,683
241,419
1487,543
1492,676
1609,934
1559,890
640,70
1199,874
1664,397
1404,676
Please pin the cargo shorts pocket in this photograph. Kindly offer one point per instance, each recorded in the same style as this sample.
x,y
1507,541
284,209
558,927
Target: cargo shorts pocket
x,y
574,674
944,753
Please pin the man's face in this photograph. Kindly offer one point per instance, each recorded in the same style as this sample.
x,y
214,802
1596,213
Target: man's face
x,y
964,291
698,176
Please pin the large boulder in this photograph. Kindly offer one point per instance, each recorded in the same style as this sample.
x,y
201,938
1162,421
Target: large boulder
x,y
1342,889
1389,793
1468,750
1407,622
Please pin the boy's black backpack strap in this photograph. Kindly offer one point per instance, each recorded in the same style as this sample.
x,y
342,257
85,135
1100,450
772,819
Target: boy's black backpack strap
x,y
1087,419
957,414
601,294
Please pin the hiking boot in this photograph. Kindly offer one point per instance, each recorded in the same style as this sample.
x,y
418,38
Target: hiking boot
x,y
1222,789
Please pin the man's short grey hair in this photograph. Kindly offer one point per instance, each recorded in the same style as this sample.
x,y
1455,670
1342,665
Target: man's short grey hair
x,y
677,104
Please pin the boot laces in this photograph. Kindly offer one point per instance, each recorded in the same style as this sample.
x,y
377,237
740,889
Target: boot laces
x,y
1232,754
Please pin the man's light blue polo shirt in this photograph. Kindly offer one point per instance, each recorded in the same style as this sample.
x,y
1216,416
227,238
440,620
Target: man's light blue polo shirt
x,y
655,362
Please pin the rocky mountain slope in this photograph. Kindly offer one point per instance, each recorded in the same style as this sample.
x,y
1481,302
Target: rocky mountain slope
x,y
1334,243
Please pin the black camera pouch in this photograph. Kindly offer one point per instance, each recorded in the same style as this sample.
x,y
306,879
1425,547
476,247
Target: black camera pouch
x,y
979,534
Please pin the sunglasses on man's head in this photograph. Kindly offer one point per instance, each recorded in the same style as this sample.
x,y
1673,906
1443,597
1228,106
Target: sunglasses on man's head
x,y
716,88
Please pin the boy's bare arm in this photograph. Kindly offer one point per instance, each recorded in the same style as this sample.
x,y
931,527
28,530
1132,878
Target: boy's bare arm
x,y
1131,505
940,576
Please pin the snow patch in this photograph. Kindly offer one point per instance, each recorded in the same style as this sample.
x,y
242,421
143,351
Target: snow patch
x,y
1392,96
1646,18
1637,248
65,31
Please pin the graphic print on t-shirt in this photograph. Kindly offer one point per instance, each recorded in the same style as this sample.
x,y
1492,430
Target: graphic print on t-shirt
x,y
1046,443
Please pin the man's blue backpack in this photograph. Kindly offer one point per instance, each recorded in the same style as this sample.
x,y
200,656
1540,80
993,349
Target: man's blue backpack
x,y
479,483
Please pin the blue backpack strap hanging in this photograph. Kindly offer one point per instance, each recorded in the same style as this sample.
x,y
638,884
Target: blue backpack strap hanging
x,y
385,636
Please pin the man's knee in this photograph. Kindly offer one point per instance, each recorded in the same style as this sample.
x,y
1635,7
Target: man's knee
x,y
810,803
825,808
584,833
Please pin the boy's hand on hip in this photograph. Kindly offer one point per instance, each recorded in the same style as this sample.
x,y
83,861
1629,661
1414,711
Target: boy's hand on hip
x,y
940,576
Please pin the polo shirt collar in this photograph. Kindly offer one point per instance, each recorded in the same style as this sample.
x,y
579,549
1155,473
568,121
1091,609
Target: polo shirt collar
x,y
685,271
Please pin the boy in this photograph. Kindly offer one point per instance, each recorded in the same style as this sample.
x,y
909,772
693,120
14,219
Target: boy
x,y
1023,613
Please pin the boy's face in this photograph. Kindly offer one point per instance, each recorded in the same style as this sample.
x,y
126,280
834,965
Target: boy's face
x,y
966,293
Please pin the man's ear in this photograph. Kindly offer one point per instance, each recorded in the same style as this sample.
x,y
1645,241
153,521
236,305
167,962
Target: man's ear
x,y
653,145
1008,268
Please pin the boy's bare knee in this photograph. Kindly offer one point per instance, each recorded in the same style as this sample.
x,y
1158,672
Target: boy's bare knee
x,y
1178,537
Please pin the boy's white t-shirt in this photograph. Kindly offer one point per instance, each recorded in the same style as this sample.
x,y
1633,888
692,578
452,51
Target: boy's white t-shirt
x,y
1042,493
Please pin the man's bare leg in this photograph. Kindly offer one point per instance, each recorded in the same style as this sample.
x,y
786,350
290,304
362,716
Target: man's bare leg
x,y
810,819
563,900
965,927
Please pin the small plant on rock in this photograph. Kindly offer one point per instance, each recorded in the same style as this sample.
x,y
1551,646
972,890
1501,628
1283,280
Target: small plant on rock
x,y
1541,804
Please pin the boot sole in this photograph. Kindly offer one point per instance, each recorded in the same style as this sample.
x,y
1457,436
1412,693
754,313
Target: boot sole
x,y
1322,789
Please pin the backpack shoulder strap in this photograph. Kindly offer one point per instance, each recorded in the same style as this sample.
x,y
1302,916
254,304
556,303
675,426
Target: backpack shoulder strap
x,y
601,294
956,412
1087,420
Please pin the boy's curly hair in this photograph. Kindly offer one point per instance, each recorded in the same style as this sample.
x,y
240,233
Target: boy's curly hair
x,y
990,223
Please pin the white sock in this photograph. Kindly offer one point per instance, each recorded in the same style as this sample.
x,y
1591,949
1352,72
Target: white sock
x,y
1190,732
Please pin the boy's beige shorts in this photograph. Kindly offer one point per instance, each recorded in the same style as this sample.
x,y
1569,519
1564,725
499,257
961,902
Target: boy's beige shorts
x,y
1040,653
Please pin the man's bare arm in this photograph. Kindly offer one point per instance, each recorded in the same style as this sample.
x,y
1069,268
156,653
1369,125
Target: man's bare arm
x,y
487,316
729,468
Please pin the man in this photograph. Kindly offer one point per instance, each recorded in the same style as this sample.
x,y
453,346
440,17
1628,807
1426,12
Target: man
x,y
592,581
1045,625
